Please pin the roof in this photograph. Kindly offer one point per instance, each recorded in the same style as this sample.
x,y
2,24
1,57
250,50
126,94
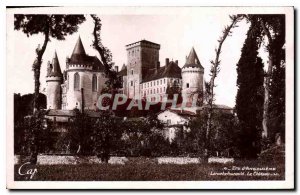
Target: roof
x,y
171,70
54,69
66,113
72,113
123,71
183,112
79,49
80,57
143,41
180,112
192,60
218,106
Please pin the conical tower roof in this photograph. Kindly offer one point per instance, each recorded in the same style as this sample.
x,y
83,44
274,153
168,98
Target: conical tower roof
x,y
55,67
79,49
192,60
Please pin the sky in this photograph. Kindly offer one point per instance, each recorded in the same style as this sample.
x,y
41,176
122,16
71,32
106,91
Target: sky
x,y
177,33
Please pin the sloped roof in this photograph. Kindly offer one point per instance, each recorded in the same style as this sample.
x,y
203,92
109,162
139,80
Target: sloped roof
x,y
66,113
54,67
123,71
192,60
182,113
218,106
79,56
171,70
72,113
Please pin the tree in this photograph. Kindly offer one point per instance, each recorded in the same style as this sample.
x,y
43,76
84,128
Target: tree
x,y
273,29
250,81
113,82
37,136
22,108
55,26
106,134
143,136
79,133
214,71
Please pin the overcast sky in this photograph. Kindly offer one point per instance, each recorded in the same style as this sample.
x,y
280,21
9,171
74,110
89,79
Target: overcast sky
x,y
177,33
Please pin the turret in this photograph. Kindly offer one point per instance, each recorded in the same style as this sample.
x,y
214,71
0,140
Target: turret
x,y
54,80
192,76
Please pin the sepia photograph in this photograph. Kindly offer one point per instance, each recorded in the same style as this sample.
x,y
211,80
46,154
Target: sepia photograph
x,y
150,97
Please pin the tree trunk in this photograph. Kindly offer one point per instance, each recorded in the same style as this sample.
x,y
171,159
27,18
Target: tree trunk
x,y
267,82
214,72
37,70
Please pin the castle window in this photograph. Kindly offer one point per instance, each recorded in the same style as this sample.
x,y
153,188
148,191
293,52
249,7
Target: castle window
x,y
94,83
76,81
131,83
132,72
187,85
164,81
160,81
157,82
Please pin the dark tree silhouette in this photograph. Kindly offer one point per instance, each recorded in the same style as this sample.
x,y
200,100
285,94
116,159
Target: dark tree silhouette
x,y
250,81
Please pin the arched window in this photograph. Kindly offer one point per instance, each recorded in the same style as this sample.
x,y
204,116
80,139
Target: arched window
x,y
76,81
94,83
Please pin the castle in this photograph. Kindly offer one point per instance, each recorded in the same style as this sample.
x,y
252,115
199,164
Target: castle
x,y
84,78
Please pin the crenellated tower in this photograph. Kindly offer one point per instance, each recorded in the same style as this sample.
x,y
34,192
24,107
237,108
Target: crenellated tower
x,y
83,80
192,77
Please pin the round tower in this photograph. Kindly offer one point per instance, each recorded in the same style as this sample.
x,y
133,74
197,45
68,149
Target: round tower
x,y
192,77
54,81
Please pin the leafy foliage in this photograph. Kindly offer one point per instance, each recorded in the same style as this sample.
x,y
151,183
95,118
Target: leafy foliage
x,y
58,26
223,133
106,133
37,135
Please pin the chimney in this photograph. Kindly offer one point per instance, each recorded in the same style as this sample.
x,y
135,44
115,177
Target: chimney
x,y
157,66
176,62
116,68
167,61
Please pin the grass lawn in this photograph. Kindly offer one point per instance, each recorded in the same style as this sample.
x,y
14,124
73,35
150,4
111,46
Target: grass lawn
x,y
140,169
